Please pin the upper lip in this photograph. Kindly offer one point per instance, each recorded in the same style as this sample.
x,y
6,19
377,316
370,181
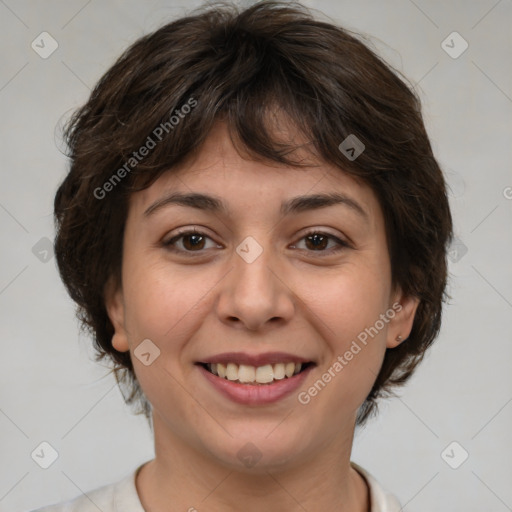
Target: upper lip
x,y
255,359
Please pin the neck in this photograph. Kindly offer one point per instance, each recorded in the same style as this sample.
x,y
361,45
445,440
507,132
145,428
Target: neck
x,y
182,477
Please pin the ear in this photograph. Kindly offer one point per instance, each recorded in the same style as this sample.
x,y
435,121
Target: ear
x,y
114,304
400,325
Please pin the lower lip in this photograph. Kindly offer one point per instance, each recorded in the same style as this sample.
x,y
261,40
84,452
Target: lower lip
x,y
256,394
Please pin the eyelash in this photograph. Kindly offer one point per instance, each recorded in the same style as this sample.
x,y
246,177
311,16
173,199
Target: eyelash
x,y
169,244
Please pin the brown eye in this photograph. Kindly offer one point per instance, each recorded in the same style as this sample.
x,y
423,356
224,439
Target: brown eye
x,y
316,242
189,241
324,243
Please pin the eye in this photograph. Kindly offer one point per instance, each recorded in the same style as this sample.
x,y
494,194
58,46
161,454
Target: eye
x,y
190,241
193,241
319,241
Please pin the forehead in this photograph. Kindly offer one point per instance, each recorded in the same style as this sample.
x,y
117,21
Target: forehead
x,y
220,169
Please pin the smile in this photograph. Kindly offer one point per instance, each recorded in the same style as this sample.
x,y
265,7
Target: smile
x,y
255,379
247,374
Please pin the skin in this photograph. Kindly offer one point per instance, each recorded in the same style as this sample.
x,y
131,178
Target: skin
x,y
293,298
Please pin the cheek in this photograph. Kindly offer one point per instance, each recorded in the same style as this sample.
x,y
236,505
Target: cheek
x,y
348,301
164,306
348,308
162,303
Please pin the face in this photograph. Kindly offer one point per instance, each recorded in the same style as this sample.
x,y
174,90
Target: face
x,y
266,311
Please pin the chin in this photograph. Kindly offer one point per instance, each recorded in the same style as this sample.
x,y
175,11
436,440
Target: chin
x,y
255,451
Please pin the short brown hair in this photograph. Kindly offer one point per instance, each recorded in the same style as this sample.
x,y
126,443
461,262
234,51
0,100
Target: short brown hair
x,y
236,66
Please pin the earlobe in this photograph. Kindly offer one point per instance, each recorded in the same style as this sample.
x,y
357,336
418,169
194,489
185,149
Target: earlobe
x,y
401,324
114,305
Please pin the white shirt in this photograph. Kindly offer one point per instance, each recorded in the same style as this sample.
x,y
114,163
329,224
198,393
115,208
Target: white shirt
x,y
122,497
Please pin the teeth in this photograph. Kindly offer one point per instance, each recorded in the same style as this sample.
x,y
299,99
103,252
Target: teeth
x,y
246,373
264,374
279,371
221,370
232,371
250,374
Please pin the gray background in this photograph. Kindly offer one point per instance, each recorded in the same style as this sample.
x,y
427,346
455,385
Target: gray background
x,y
51,390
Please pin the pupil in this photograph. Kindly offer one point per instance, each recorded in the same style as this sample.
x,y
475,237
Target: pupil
x,y
194,244
315,239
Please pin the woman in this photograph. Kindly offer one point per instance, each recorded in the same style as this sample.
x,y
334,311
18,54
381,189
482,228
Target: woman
x,y
254,229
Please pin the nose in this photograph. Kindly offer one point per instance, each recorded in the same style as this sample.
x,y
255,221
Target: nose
x,y
255,295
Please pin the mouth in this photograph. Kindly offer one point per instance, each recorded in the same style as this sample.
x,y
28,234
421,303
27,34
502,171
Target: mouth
x,y
252,385
255,379
264,375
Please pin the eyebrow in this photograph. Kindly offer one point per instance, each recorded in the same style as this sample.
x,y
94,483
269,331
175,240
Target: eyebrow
x,y
294,205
